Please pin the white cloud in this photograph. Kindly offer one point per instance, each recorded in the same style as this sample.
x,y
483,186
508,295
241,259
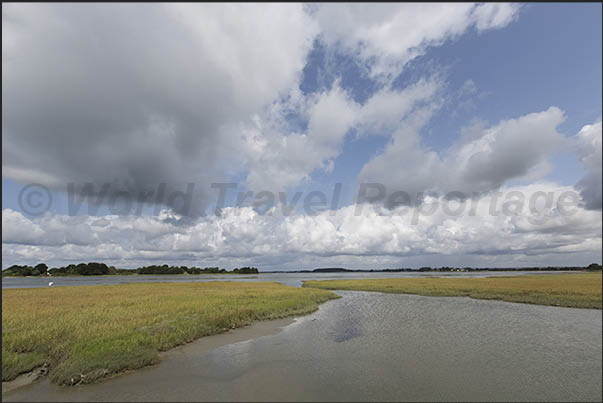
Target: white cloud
x,y
481,161
589,149
386,109
494,15
278,159
387,36
494,228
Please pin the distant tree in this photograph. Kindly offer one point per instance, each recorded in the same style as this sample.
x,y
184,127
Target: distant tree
x,y
165,269
246,270
594,267
21,271
193,270
41,267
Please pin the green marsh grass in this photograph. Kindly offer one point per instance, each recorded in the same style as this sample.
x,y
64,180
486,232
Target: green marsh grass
x,y
86,333
581,290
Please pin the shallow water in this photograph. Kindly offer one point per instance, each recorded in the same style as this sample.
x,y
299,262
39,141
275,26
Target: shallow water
x,y
293,279
372,346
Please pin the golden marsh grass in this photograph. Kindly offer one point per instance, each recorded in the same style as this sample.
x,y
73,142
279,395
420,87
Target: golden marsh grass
x,y
90,332
581,290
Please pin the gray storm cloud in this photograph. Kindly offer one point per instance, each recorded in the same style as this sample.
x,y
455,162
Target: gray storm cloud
x,y
138,95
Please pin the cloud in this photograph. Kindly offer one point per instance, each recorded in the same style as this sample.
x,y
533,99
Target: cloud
x,y
386,109
279,158
509,150
589,149
387,36
495,227
482,161
468,88
494,15
137,95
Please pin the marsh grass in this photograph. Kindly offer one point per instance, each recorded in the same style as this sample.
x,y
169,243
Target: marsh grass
x,y
91,332
582,290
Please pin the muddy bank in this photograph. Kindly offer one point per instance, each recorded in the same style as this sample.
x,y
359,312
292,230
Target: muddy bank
x,y
24,379
255,330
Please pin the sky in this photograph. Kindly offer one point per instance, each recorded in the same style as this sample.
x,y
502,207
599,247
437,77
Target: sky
x,y
296,136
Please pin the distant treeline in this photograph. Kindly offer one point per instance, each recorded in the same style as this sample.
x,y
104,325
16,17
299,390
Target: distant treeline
x,y
591,267
99,269
165,269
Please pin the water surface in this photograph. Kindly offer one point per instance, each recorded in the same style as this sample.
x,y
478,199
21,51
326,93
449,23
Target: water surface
x,y
293,279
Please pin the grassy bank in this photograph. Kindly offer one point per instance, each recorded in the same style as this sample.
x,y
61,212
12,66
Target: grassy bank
x,y
91,332
581,290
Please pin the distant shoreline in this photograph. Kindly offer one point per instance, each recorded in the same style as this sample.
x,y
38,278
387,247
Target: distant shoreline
x,y
440,270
